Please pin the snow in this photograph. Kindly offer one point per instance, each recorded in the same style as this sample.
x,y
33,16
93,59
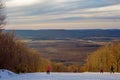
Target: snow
x,y
8,75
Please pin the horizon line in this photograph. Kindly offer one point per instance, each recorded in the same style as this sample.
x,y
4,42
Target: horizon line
x,y
65,29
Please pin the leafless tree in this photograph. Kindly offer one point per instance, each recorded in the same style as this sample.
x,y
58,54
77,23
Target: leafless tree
x,y
2,15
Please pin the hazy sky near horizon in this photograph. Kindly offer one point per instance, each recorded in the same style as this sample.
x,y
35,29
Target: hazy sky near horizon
x,y
63,14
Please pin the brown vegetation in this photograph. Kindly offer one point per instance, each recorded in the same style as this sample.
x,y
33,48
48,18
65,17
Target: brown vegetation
x,y
105,57
16,56
64,51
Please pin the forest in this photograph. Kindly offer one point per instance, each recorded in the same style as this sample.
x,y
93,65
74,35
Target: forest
x,y
106,56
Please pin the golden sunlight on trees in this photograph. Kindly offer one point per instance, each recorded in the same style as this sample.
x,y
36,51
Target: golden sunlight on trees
x,y
16,56
104,58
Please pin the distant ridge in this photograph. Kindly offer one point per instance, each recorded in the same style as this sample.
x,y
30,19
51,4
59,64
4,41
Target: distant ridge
x,y
66,34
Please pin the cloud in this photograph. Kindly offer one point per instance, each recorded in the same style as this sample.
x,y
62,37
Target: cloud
x,y
62,11
107,12
21,3
106,8
70,25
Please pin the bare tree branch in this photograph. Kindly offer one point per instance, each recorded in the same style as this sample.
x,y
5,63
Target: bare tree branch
x,y
2,15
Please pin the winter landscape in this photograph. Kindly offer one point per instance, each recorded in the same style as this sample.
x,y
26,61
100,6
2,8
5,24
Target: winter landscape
x,y
59,39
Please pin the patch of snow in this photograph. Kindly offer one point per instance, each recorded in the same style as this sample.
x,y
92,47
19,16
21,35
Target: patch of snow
x,y
63,76
6,74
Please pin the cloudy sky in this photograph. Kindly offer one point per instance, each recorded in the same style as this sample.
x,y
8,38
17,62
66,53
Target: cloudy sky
x,y
63,14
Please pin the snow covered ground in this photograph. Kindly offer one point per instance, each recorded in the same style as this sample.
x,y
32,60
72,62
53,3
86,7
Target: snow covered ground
x,y
7,75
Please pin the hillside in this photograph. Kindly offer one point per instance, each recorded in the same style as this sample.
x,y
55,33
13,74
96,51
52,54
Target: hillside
x,y
55,45
104,58
65,51
67,46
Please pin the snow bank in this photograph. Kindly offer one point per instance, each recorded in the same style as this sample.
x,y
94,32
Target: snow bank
x,y
6,74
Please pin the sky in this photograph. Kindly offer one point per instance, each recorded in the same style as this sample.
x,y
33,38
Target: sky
x,y
62,14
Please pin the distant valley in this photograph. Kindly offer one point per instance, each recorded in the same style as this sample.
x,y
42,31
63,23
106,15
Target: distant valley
x,y
94,34
67,46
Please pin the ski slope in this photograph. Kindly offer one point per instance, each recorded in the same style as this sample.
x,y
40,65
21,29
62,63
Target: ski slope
x,y
7,75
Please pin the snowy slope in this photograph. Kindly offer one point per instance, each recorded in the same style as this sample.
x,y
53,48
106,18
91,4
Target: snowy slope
x,y
6,74
61,76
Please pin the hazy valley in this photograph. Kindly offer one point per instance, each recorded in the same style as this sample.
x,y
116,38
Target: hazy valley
x,y
67,46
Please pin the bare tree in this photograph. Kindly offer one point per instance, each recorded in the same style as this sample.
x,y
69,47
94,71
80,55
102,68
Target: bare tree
x,y
2,15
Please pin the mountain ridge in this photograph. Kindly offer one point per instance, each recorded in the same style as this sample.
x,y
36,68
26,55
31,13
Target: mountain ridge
x,y
65,34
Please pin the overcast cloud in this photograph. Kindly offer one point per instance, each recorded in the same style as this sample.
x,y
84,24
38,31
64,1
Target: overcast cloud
x,y
76,14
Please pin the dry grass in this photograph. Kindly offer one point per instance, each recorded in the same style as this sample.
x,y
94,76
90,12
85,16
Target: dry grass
x,y
66,51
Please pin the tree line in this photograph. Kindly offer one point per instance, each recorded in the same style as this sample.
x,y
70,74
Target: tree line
x,y
16,56
104,58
